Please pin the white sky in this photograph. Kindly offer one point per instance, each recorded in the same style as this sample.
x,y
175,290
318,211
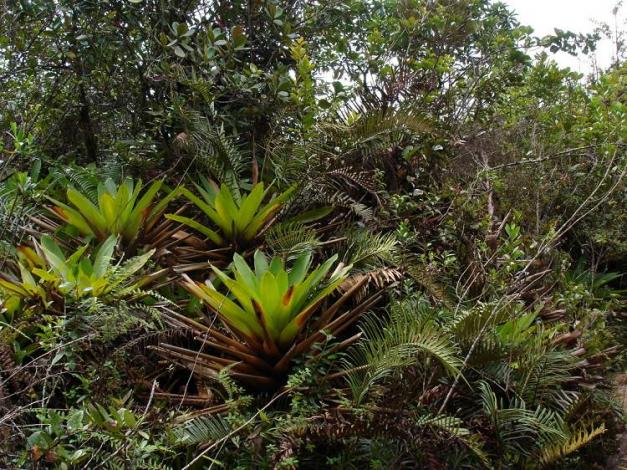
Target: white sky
x,y
573,15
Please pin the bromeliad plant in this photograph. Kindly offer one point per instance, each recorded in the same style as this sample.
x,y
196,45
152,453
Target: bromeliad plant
x,y
15,289
46,274
236,218
119,210
267,313
271,304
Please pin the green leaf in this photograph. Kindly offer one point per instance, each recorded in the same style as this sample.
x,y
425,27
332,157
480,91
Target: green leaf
x,y
203,206
103,256
212,235
75,420
54,255
242,271
311,215
264,214
225,207
88,210
300,268
261,263
179,51
231,313
141,210
73,217
249,207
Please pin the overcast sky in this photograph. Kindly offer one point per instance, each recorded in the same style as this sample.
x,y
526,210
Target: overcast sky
x,y
573,15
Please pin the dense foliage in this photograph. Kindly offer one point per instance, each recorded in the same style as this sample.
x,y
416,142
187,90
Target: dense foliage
x,y
370,233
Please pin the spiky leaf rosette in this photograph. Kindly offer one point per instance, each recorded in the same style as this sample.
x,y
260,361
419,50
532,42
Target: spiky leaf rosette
x,y
235,218
46,273
267,313
118,210
270,304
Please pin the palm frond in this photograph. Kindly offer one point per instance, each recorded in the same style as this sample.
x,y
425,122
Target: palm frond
x,y
452,425
518,428
543,375
393,344
468,323
369,133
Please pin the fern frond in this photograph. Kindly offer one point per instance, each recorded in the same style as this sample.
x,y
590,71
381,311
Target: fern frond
x,y
123,272
429,282
114,463
338,198
577,439
111,168
85,179
363,179
202,430
213,150
115,320
290,239
155,465
380,278
13,214
153,337
370,250
201,87
393,344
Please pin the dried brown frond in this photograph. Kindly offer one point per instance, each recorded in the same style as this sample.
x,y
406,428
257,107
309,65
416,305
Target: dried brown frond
x,y
377,278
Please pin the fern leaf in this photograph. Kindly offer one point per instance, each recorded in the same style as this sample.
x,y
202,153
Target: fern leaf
x,y
202,430
291,239
368,250
578,439
393,344
430,284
